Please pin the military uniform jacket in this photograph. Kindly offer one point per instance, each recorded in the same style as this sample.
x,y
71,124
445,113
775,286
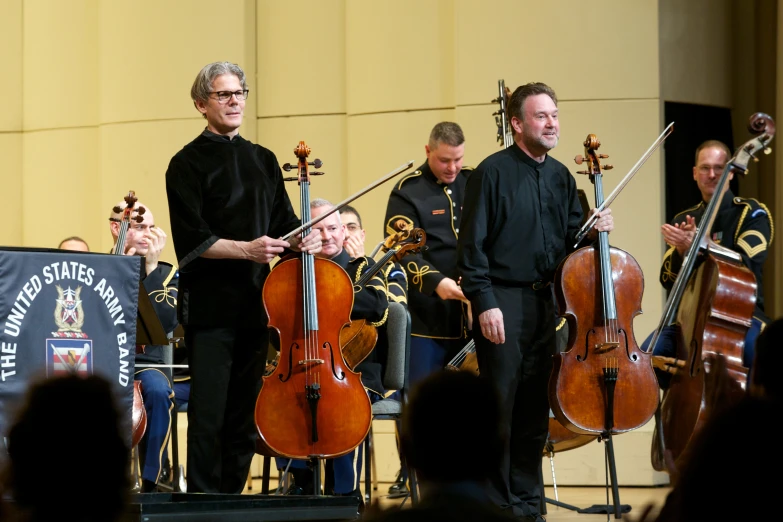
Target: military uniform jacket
x,y
421,201
162,287
743,225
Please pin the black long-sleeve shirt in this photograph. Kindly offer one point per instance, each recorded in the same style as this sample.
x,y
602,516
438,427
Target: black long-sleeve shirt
x,y
519,221
220,188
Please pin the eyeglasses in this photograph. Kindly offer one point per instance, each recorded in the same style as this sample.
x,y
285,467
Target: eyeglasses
x,y
705,169
224,96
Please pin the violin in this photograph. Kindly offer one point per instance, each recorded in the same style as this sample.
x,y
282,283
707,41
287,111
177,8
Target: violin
x,y
358,339
312,405
603,383
139,416
711,303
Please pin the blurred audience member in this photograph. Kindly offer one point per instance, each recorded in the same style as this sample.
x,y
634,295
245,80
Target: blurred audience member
x,y
67,430
763,380
449,414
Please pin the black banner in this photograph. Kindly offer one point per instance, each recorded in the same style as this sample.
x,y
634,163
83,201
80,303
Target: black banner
x,y
66,312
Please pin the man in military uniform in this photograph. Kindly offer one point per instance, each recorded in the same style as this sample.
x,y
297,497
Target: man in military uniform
x,y
160,281
431,198
743,225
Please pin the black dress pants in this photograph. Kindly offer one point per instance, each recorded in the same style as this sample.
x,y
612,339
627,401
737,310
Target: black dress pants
x,y
226,366
519,370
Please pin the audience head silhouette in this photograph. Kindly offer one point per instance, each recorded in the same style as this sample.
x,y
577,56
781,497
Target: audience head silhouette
x,y
447,413
69,426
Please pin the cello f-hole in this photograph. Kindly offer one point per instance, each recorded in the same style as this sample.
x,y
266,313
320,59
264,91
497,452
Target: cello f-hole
x,y
341,376
583,357
291,348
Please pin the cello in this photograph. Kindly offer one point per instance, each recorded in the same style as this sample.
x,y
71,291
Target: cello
x,y
312,406
603,383
711,303
139,416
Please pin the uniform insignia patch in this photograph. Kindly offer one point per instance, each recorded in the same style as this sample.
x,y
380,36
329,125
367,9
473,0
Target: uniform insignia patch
x,y
438,212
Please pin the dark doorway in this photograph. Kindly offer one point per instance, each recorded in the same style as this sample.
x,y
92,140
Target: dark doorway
x,y
694,124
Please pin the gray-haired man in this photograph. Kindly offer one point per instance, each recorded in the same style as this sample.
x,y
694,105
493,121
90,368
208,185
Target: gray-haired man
x,y
228,209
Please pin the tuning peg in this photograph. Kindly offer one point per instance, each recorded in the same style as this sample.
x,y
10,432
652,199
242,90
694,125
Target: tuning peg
x,y
767,150
582,172
316,173
288,167
316,163
607,167
579,159
603,156
755,159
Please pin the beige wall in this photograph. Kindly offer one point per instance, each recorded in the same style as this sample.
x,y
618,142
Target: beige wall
x,y
696,42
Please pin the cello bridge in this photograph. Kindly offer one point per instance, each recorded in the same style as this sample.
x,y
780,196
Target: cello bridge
x,y
606,347
310,361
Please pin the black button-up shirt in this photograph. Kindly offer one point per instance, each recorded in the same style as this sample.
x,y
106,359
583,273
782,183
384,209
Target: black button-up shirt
x,y
519,221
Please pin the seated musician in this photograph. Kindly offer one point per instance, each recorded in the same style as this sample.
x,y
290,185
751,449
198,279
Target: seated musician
x,y
160,280
74,244
370,303
354,232
742,224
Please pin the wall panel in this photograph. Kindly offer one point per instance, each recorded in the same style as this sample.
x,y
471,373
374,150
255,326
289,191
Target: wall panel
x,y
301,57
60,64
599,50
326,137
60,197
11,65
702,74
150,53
11,169
135,156
399,56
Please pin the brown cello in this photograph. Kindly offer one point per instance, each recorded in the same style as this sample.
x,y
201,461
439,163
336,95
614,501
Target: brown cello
x,y
711,304
312,406
603,383
139,416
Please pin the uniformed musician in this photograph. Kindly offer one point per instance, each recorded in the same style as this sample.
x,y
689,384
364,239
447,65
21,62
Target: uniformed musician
x,y
160,281
431,198
742,224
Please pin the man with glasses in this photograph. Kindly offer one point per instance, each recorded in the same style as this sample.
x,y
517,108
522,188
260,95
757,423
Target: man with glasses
x,y
742,224
228,210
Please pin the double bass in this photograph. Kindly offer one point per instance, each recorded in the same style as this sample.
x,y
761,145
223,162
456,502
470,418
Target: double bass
x,y
312,406
139,416
603,383
711,304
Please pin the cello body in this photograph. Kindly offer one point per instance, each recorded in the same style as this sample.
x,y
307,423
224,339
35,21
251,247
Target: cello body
x,y
714,315
576,391
311,405
603,383
284,415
